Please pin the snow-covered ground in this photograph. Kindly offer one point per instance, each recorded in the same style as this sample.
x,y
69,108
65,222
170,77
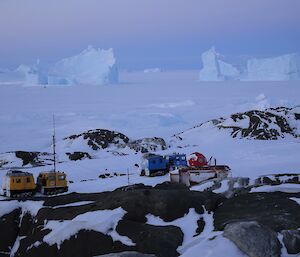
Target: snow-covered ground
x,y
146,105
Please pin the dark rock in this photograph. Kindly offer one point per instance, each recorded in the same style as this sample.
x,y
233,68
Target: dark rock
x,y
171,186
291,240
26,224
274,210
253,239
34,158
78,156
201,225
84,243
101,138
162,241
127,254
9,230
27,157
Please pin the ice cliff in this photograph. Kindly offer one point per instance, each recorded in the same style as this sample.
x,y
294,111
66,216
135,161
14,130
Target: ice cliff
x,y
285,67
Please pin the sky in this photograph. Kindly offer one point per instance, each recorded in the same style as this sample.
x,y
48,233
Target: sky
x,y
170,34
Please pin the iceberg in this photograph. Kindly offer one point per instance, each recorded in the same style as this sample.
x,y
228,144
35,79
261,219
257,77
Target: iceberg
x,y
32,75
280,68
285,67
215,69
91,67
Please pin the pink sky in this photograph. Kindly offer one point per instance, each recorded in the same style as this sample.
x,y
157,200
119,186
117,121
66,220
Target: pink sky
x,y
146,32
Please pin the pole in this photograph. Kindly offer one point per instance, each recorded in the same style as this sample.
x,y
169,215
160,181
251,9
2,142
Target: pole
x,y
54,153
128,176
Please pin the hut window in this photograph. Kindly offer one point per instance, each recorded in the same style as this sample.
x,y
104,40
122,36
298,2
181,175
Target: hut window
x,y
28,180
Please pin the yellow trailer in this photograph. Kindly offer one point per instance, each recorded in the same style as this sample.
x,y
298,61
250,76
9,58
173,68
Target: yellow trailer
x,y
18,183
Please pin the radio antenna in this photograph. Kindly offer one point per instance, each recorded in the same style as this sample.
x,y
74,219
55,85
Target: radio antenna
x,y
53,144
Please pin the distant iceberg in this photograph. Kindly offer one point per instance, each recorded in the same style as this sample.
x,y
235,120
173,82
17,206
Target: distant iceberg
x,y
285,67
152,70
91,67
281,68
33,75
215,69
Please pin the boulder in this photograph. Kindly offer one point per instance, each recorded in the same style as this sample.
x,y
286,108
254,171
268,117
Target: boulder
x,y
161,240
274,210
291,240
253,239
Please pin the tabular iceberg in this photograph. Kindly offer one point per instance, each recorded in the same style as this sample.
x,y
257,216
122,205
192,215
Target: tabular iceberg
x,y
215,69
285,67
91,67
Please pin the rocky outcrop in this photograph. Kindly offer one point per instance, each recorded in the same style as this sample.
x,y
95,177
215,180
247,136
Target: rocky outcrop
x,y
78,156
100,139
146,145
25,158
253,239
27,234
167,201
96,140
278,179
270,124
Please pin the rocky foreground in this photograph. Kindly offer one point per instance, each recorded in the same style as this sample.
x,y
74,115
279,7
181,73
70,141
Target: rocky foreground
x,y
150,221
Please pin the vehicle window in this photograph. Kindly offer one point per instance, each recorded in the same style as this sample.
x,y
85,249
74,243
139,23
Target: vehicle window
x,y
183,158
61,177
18,180
160,160
153,161
51,177
28,180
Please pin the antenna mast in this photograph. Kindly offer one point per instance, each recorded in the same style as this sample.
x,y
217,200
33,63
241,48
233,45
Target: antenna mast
x,y
53,144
